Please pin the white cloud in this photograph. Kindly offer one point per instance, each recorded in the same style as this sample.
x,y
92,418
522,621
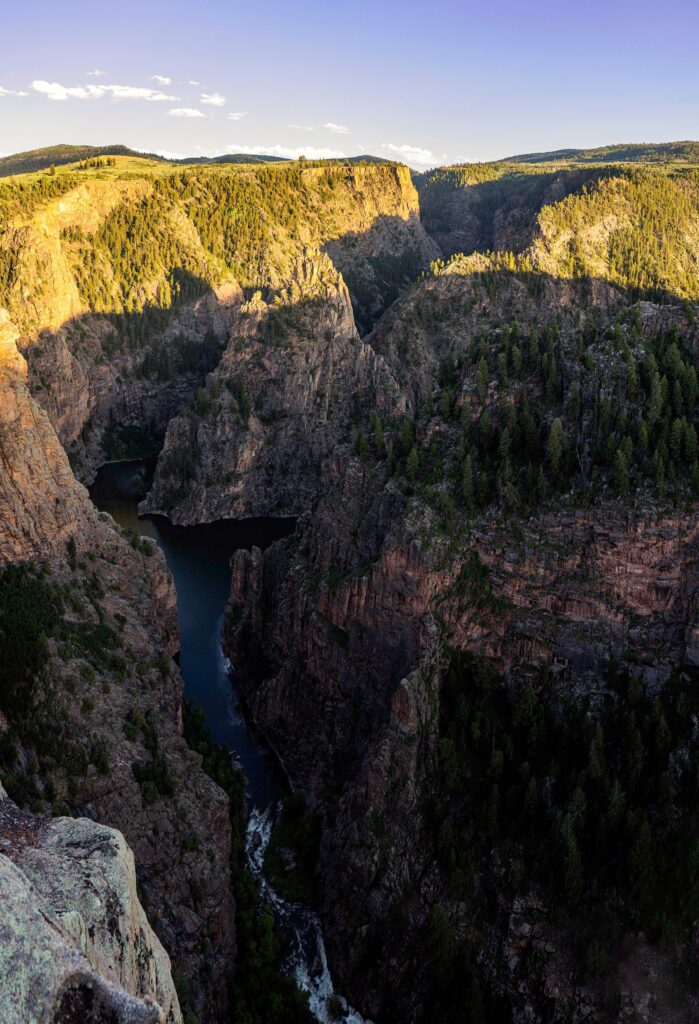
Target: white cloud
x,y
287,152
161,79
55,91
186,112
304,127
337,129
416,156
12,92
213,99
192,82
131,92
168,154
237,115
96,73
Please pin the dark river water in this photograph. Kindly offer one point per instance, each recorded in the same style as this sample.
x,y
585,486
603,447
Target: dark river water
x,y
199,559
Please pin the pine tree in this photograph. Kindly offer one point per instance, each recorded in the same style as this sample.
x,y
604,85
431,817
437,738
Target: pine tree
x,y
503,377
377,433
468,485
655,405
482,379
621,472
676,439
557,446
407,436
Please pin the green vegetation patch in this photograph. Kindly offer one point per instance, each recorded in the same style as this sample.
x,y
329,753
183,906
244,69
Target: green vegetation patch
x,y
595,804
292,853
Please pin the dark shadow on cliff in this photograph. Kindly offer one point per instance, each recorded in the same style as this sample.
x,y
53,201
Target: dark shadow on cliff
x,y
379,263
160,369
471,218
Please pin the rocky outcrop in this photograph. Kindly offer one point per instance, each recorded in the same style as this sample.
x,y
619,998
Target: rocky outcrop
x,y
283,396
75,943
41,505
384,245
107,711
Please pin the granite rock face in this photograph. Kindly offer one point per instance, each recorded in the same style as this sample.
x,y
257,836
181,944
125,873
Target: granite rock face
x,y
283,396
41,505
344,680
295,371
85,381
76,944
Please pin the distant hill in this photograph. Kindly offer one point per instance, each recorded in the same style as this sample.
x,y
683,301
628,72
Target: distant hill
x,y
40,159
643,152
229,158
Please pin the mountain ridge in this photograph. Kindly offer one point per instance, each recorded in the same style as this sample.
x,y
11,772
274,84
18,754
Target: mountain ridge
x,y
34,160
624,152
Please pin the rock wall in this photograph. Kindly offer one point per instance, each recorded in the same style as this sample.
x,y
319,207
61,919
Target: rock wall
x,y
343,677
340,635
284,394
85,368
84,378
109,699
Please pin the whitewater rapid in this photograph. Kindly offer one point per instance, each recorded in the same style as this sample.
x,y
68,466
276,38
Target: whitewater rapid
x,y
306,961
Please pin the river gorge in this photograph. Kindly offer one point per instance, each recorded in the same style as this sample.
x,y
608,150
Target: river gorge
x,y
199,559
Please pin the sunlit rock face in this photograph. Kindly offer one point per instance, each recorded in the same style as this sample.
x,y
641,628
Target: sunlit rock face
x,y
130,339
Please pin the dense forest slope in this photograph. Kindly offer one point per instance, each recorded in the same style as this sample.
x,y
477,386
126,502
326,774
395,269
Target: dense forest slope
x,y
635,227
643,152
95,156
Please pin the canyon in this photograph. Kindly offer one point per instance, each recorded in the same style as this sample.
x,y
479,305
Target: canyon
x,y
480,408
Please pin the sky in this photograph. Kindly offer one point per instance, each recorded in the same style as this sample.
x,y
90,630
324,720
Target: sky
x,y
428,83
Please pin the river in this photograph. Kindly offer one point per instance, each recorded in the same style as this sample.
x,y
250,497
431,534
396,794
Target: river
x,y
199,559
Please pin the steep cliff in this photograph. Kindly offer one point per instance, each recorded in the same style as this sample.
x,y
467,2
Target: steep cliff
x,y
343,634
255,439
123,287
91,699
295,373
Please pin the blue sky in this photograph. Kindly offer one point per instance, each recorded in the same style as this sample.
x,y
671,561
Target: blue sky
x,y
427,83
